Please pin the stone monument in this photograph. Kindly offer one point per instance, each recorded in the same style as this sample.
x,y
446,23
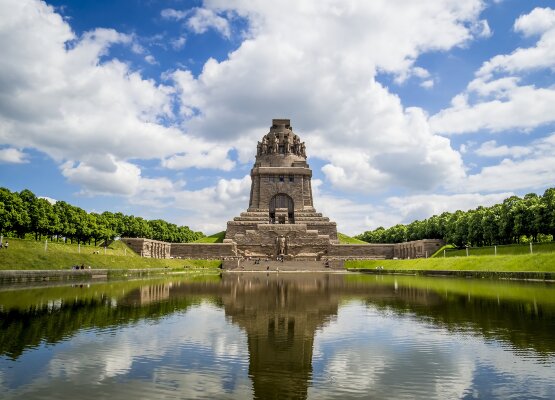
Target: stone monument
x,y
281,220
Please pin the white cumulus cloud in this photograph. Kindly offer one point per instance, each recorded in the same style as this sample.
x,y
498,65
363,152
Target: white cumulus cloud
x,y
529,167
12,156
502,103
492,149
203,19
316,63
63,95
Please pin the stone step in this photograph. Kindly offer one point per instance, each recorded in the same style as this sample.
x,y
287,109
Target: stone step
x,y
264,218
307,214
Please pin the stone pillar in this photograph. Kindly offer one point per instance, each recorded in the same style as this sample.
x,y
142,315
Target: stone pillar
x,y
310,203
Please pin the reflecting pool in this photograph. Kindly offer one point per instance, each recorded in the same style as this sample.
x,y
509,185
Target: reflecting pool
x,y
278,336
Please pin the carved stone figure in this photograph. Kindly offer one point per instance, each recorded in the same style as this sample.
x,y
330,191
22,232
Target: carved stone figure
x,y
259,149
281,242
264,145
302,152
296,145
271,142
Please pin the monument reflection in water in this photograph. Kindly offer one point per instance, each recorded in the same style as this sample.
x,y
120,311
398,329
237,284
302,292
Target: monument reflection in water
x,y
279,336
280,317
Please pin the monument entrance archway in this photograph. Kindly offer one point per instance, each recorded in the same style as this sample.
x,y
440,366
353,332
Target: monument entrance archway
x,y
282,209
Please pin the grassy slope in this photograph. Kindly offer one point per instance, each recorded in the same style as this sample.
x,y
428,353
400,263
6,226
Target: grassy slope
x,y
29,254
510,263
513,249
439,252
215,238
344,239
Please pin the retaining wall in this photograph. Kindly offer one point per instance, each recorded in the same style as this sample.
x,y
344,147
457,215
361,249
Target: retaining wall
x,y
360,251
209,251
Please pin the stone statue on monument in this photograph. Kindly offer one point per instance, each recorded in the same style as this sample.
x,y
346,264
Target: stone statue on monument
x,y
296,145
281,242
271,142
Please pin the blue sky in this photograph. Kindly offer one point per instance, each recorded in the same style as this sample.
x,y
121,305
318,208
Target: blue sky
x,y
154,108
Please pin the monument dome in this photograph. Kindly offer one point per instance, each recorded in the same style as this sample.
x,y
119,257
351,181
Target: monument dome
x,y
281,146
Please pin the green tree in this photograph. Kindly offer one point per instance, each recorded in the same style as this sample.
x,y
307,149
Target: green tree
x,y
475,227
17,218
548,211
491,225
397,234
44,221
5,211
509,232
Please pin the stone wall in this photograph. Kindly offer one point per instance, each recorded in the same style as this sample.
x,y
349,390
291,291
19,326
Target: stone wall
x,y
239,227
208,251
329,229
148,247
360,251
157,249
417,248
302,243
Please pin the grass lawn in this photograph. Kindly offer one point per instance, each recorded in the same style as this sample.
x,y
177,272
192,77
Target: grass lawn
x,y
215,238
512,249
30,254
543,262
344,239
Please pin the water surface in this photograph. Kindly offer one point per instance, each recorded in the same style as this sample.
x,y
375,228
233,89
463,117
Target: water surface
x,y
302,336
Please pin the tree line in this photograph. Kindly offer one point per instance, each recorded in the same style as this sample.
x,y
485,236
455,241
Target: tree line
x,y
23,214
515,220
